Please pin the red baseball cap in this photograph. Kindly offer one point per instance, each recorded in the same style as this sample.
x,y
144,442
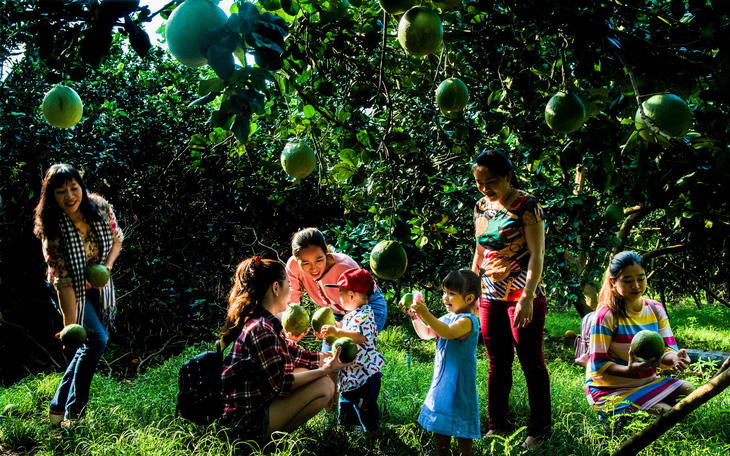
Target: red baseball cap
x,y
358,280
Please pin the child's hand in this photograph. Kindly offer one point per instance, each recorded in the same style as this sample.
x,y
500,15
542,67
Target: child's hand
x,y
333,363
328,330
419,308
680,360
635,366
294,338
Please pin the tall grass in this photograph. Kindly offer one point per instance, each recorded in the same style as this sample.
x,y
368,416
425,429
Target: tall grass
x,y
136,416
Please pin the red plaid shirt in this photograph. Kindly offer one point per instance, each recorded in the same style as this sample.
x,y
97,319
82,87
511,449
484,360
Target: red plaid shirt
x,y
260,365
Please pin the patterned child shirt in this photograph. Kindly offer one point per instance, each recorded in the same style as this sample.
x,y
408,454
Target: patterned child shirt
x,y
369,360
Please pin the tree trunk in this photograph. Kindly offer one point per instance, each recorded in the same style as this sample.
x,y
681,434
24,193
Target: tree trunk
x,y
683,408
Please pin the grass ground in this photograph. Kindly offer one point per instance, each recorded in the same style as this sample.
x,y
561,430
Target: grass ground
x,y
136,416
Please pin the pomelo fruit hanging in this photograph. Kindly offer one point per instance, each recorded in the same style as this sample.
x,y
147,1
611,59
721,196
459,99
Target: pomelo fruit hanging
x,y
298,159
186,27
614,213
452,95
669,113
388,260
62,107
420,31
565,112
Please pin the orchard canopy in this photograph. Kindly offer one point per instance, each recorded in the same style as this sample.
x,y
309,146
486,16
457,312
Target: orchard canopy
x,y
190,156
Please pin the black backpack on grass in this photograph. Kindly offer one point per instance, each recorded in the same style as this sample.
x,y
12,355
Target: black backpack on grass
x,y
200,396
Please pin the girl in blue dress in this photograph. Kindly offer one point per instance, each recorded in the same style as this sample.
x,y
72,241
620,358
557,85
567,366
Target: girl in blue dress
x,y
451,407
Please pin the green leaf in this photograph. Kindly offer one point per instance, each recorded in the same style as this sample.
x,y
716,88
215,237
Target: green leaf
x,y
350,157
207,86
342,172
364,138
290,7
221,61
241,128
246,20
203,100
309,111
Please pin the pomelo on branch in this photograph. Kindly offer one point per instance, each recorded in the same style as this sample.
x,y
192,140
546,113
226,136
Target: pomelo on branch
x,y
73,336
298,159
670,115
62,107
348,349
565,112
397,6
323,316
388,260
452,95
295,319
647,344
420,31
186,27
614,213
97,275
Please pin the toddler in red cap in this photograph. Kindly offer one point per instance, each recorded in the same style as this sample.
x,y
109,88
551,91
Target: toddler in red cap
x,y
359,383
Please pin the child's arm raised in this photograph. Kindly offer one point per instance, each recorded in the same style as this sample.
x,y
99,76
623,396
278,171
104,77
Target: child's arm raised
x,y
356,336
457,329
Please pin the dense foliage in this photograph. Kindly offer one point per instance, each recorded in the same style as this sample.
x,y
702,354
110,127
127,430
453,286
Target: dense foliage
x,y
190,157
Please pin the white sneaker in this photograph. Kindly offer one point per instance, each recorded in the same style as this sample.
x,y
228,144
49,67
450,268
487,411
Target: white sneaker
x,y
55,418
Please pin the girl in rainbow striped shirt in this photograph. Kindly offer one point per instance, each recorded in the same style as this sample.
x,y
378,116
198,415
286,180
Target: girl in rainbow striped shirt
x,y
616,382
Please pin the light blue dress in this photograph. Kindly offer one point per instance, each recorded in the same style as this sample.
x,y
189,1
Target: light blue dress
x,y
452,406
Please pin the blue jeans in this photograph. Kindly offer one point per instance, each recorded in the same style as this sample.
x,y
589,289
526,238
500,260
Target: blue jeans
x,y
72,394
380,309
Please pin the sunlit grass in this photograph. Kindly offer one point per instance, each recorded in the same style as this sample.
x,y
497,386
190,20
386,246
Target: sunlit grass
x,y
136,416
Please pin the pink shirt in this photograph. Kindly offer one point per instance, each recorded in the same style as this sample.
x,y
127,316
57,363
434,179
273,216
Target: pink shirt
x,y
323,296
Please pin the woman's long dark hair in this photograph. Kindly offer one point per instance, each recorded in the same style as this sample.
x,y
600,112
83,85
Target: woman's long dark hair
x,y
48,212
253,277
496,162
608,296
306,237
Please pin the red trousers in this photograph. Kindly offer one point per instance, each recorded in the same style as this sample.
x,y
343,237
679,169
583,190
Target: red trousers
x,y
502,340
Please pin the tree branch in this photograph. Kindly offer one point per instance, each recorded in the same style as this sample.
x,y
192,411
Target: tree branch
x,y
699,282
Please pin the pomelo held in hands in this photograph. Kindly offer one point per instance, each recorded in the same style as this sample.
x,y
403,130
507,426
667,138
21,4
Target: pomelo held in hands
x,y
62,107
349,349
73,336
295,319
323,316
388,260
97,275
648,344
409,298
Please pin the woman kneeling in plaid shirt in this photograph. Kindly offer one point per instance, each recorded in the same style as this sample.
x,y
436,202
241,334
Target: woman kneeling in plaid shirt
x,y
269,383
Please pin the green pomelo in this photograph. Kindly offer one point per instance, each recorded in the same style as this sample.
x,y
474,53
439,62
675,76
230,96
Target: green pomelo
x,y
349,349
669,113
648,344
388,260
565,112
420,31
614,213
62,107
329,340
186,27
452,95
397,6
323,316
97,275
295,319
298,159
73,336
406,300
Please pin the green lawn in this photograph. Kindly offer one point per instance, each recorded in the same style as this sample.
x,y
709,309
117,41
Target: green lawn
x,y
136,416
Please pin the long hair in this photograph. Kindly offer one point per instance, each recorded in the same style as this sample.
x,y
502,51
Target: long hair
x,y
48,212
253,278
306,237
497,163
464,282
608,295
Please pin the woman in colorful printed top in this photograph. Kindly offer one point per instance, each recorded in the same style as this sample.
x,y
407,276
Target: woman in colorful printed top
x,y
510,247
78,229
269,383
312,268
615,381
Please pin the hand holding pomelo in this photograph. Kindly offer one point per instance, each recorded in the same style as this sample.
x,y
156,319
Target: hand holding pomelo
x,y
73,336
348,347
295,319
647,345
323,316
97,275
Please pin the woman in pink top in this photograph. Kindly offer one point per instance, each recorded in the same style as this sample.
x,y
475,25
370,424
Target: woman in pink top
x,y
311,267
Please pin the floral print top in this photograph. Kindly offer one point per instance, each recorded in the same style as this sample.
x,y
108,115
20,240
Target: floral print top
x,y
58,273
